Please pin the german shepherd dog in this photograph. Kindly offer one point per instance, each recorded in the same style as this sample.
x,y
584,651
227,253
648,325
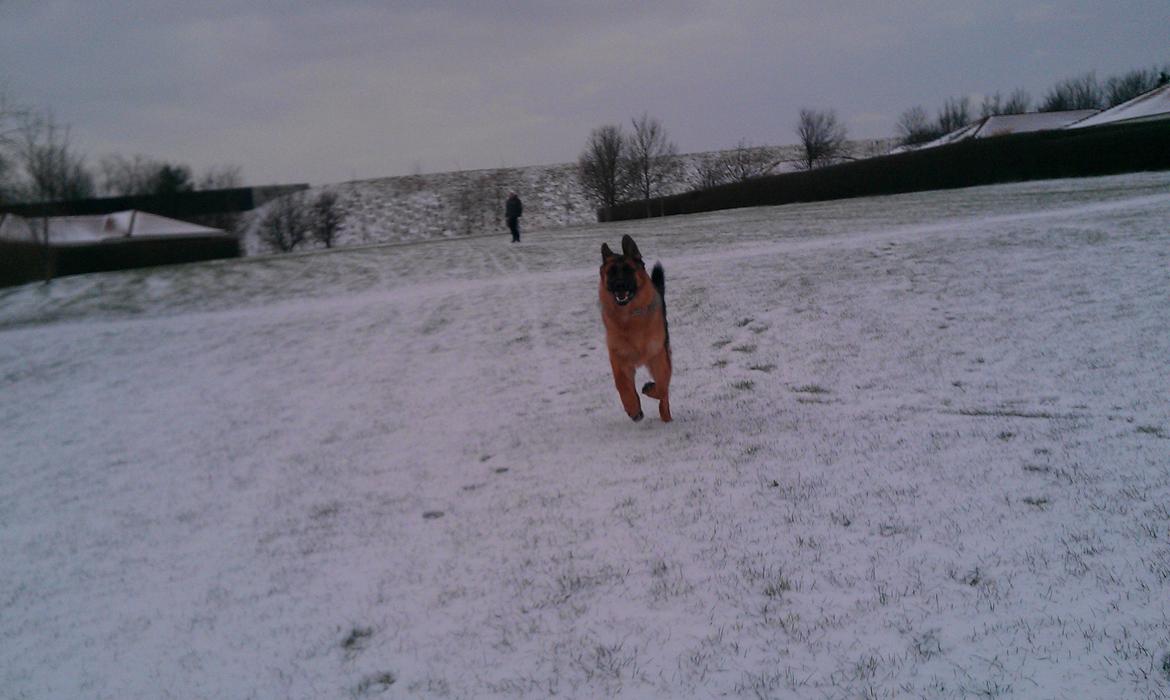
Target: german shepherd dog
x,y
633,309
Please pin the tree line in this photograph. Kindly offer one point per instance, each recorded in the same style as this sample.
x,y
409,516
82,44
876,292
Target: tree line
x,y
39,163
293,219
1086,91
639,165
618,166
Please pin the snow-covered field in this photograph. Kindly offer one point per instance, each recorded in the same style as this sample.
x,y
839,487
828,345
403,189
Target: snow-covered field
x,y
463,203
921,448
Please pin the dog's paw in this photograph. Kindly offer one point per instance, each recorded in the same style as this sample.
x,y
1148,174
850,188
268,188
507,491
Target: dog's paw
x,y
638,417
647,388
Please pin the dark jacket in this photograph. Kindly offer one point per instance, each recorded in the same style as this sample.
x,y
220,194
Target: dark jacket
x,y
513,209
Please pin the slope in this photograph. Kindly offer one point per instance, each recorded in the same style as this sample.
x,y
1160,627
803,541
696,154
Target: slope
x,y
920,448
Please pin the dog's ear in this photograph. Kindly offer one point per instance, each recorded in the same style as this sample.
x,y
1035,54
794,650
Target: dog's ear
x,y
629,248
606,253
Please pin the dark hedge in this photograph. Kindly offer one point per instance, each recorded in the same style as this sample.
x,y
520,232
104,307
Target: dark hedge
x,y
26,262
181,205
1103,150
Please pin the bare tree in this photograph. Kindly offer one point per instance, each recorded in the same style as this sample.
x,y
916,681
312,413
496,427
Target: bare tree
x,y
746,161
54,171
12,117
1083,92
140,175
126,177
1125,87
707,171
822,138
914,127
599,167
221,177
955,114
327,217
991,106
1019,102
651,162
285,223
1016,103
733,165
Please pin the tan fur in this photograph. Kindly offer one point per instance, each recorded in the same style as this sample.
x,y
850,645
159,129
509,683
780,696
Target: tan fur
x,y
635,335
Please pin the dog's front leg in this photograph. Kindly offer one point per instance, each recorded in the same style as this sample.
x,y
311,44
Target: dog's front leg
x,y
623,379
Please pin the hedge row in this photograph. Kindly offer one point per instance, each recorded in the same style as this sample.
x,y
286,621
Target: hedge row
x,y
180,205
1102,150
22,262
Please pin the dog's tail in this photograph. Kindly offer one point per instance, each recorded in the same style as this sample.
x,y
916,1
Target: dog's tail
x,y
658,279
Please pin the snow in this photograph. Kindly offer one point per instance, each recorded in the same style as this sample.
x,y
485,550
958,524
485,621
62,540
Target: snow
x,y
1148,106
1002,124
104,227
466,203
961,134
921,447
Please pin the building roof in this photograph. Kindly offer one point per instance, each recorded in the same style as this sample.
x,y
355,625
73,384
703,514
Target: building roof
x,y
1148,106
122,225
1001,124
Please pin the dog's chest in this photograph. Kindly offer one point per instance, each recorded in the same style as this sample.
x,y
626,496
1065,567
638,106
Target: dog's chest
x,y
636,338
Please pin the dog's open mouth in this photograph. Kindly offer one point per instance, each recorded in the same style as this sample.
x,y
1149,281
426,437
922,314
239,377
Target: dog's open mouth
x,y
623,297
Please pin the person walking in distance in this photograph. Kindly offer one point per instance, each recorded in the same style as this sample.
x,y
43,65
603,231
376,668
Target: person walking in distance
x,y
513,210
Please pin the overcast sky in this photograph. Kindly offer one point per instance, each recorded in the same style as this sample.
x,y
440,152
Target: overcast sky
x,y
299,91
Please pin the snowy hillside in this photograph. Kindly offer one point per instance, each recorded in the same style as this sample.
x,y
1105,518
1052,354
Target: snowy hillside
x,y
471,202
449,205
921,448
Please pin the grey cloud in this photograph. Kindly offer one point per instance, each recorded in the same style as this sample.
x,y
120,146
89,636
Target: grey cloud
x,y
326,91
